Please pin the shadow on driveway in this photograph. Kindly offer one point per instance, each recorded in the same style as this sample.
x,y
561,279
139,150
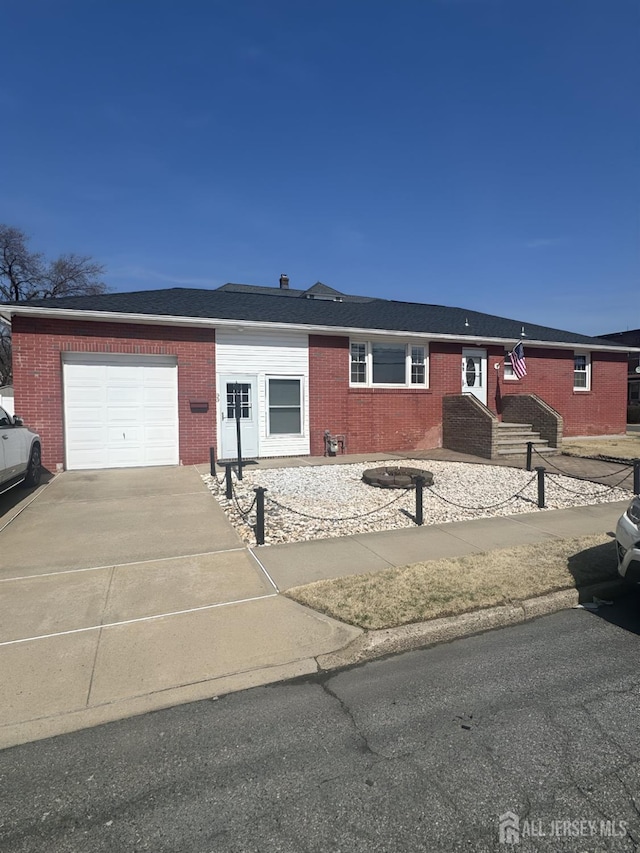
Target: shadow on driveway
x,y
15,500
595,565
624,612
599,564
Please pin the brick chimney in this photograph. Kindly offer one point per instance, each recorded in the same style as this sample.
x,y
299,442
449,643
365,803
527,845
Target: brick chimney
x,y
284,281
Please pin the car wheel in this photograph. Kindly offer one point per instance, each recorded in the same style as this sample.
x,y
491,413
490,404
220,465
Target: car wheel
x,y
34,469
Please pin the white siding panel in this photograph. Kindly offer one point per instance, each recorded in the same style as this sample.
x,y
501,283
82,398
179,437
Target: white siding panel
x,y
264,354
6,399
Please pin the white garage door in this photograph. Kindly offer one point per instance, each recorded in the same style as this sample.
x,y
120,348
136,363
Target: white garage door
x,y
120,411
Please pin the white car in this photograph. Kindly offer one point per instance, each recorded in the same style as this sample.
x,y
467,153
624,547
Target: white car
x,y
628,543
20,453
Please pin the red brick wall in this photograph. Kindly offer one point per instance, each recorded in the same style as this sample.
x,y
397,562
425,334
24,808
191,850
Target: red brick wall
x,y
37,366
599,411
372,419
376,419
383,419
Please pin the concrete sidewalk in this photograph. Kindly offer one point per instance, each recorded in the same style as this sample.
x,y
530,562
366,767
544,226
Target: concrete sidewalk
x,y
299,563
127,591
303,562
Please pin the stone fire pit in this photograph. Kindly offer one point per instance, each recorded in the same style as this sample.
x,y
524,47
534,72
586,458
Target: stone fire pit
x,y
391,477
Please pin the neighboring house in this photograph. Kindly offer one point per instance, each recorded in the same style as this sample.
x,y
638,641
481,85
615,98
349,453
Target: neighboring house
x,y
630,338
6,399
147,378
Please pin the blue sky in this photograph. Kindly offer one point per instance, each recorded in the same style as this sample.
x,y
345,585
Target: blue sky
x,y
476,153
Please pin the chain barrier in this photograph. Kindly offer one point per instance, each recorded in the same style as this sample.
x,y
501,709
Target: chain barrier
x,y
243,513
552,478
627,468
490,506
618,484
219,480
404,493
606,487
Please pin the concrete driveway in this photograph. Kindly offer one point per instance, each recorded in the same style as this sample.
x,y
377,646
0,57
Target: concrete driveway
x,y
98,518
127,590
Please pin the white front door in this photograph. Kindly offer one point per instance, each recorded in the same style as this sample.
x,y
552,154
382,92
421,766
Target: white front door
x,y
474,373
247,387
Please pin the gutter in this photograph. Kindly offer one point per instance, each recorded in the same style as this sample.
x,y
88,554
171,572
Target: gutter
x,y
7,312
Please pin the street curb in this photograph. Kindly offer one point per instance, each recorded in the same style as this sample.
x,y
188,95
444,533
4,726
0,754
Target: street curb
x,y
65,722
376,644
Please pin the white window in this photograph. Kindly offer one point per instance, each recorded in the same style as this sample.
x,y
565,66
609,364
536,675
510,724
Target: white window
x,y
285,405
388,363
358,363
240,392
508,367
418,366
581,372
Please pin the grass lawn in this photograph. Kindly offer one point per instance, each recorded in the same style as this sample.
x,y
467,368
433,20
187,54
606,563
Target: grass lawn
x,y
448,587
623,447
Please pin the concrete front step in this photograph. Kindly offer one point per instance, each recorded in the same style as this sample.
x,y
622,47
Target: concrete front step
x,y
519,442
522,450
516,429
512,440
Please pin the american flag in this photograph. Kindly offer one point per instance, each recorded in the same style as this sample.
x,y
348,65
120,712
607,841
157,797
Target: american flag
x,y
517,360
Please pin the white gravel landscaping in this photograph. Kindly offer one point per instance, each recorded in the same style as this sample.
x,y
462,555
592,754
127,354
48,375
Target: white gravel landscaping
x,y
341,504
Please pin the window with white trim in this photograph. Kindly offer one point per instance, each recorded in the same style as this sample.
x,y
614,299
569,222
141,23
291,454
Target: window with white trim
x,y
284,405
358,363
418,366
581,371
509,372
388,363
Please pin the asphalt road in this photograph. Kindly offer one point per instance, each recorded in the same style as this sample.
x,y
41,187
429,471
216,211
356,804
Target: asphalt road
x,y
422,751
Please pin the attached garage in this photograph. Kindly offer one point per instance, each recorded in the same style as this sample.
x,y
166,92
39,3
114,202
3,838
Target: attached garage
x,y
120,411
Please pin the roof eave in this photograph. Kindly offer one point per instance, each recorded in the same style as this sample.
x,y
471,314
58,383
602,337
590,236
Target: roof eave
x,y
9,311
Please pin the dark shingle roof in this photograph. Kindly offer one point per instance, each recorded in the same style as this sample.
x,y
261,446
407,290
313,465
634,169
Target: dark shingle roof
x,y
230,287
317,290
247,303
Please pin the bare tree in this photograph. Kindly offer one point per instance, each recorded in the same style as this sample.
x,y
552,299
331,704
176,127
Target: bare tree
x,y
27,275
74,275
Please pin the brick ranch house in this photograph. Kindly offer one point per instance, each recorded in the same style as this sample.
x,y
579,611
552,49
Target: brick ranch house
x,y
146,378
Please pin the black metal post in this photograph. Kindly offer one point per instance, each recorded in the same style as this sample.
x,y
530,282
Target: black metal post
x,y
227,481
636,476
540,469
529,451
259,514
420,481
237,400
212,461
